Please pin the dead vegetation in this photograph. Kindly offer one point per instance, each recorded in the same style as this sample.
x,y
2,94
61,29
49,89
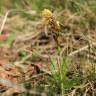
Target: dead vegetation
x,y
27,54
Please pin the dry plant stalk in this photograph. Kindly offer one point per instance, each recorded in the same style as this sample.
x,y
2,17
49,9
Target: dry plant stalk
x,y
4,21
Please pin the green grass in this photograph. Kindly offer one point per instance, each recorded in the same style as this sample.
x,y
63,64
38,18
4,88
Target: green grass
x,y
60,81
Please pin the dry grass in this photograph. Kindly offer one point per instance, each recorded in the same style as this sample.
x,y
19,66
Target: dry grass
x,y
31,46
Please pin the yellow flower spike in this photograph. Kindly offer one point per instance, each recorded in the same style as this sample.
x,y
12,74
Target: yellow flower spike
x,y
54,25
46,13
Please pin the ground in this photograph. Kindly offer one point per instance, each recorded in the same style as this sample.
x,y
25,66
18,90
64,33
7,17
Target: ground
x,y
31,63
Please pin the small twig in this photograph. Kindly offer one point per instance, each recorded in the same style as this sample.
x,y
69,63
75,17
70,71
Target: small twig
x,y
4,21
80,50
85,93
81,86
73,92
